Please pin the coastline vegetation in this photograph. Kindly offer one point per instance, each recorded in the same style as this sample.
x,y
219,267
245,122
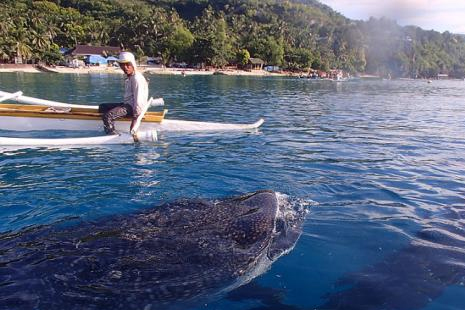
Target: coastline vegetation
x,y
292,34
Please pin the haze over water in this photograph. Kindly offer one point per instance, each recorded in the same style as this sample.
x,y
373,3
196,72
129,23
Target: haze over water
x,y
380,162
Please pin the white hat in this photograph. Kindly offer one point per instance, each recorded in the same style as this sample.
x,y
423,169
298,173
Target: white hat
x,y
127,57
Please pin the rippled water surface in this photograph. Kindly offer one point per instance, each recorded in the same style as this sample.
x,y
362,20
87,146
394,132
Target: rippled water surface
x,y
381,164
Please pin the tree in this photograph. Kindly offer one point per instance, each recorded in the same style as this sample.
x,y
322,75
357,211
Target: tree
x,y
23,51
178,44
360,61
221,45
212,44
243,57
320,63
275,54
52,55
299,59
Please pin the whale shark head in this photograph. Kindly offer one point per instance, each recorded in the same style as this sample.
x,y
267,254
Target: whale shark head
x,y
267,223
288,227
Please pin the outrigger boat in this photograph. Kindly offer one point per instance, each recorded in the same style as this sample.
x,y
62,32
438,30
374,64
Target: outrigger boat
x,y
38,114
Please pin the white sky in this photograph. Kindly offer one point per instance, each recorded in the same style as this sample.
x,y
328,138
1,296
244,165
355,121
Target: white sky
x,y
440,15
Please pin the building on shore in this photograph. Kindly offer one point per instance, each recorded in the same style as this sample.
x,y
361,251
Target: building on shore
x,y
91,55
272,68
255,64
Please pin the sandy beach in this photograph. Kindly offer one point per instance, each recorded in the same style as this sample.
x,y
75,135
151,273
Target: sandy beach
x,y
144,69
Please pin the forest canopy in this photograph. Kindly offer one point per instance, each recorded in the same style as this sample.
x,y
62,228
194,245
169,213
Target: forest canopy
x,y
292,34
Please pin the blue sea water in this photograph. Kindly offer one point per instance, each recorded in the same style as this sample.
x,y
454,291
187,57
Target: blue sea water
x,y
380,163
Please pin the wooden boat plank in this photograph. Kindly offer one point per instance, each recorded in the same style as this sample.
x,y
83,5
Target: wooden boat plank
x,y
15,110
22,107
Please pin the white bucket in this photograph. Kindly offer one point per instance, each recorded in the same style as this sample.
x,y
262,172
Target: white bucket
x,y
147,136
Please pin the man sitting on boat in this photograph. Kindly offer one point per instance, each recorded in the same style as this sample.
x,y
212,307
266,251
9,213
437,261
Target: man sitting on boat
x,y
135,96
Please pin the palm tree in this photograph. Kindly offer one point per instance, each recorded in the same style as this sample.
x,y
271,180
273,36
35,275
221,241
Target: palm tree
x,y
23,50
5,50
5,26
97,32
40,40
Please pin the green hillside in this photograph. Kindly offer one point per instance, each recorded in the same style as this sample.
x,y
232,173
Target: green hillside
x,y
295,35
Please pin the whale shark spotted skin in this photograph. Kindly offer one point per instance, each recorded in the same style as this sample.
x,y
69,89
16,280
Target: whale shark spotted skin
x,y
411,278
177,252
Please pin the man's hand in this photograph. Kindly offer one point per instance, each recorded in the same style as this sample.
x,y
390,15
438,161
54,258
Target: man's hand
x,y
131,128
135,137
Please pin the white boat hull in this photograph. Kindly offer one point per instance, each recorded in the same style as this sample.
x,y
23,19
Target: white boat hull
x,y
113,139
35,123
124,138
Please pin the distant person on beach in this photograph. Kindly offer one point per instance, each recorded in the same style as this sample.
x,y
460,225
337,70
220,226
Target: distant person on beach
x,y
135,96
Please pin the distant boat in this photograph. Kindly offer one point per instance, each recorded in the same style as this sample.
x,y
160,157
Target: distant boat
x,y
46,69
339,79
370,77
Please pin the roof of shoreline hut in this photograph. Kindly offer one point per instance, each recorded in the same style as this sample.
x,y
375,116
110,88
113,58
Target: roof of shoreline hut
x,y
85,50
256,61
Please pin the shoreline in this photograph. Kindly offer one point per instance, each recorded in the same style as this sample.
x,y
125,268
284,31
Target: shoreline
x,y
143,69
12,68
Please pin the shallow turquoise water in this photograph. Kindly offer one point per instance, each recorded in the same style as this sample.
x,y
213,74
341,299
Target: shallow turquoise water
x,y
381,164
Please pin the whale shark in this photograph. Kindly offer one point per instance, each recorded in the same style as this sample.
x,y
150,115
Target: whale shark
x,y
413,277
174,254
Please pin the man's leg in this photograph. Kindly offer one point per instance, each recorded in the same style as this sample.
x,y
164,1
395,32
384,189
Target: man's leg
x,y
110,116
105,107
